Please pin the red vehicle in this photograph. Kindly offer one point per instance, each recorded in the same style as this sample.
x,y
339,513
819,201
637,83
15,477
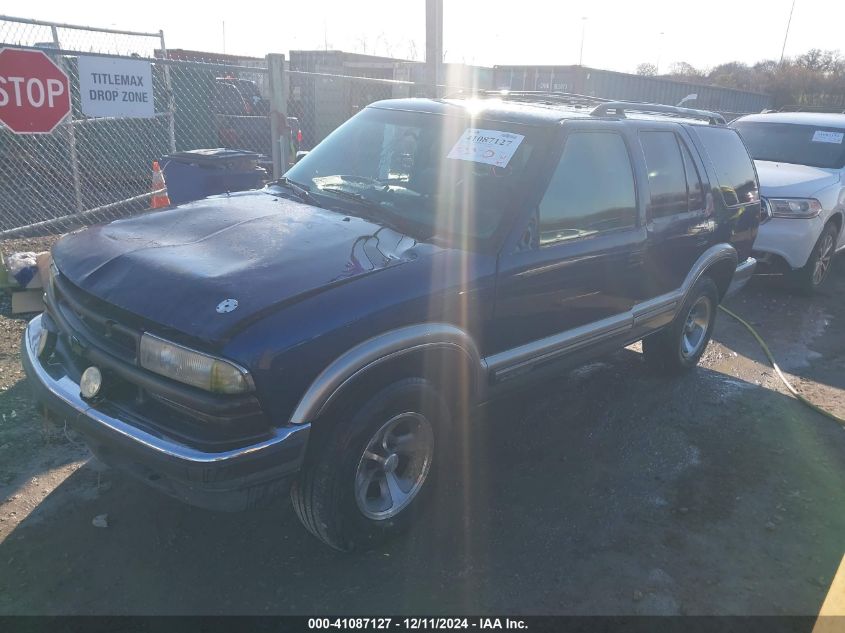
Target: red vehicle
x,y
243,121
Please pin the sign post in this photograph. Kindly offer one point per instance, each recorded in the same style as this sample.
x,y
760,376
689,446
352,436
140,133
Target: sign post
x,y
279,132
71,135
34,92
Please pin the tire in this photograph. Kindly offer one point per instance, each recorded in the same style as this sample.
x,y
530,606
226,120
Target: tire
x,y
344,494
681,344
816,271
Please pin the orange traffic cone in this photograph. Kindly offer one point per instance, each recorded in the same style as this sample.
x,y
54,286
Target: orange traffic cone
x,y
160,198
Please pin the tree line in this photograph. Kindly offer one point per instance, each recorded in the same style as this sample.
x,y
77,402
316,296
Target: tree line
x,y
816,78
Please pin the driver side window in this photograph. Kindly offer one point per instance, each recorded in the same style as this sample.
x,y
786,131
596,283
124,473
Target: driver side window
x,y
591,191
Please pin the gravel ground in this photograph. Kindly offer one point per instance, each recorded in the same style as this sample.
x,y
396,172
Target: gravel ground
x,y
609,491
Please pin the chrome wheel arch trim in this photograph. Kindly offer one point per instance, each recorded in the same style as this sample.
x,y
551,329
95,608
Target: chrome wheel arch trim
x,y
377,350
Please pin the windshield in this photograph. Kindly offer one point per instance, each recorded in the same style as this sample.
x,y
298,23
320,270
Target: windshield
x,y
790,143
430,175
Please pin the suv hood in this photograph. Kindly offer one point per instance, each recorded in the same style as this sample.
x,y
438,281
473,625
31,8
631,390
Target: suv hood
x,y
785,180
178,267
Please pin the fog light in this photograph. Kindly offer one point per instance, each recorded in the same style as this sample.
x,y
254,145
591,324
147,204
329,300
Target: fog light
x,y
91,382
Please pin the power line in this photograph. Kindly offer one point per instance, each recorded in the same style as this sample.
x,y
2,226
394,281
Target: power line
x,y
786,35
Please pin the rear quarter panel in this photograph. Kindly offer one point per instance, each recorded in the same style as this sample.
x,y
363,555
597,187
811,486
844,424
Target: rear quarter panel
x,y
736,224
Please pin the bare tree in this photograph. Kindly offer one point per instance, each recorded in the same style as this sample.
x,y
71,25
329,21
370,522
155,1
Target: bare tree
x,y
646,70
819,60
685,70
733,75
815,78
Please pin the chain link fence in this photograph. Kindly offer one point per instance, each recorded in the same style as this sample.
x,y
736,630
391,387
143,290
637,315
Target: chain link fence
x,y
91,169
95,169
319,102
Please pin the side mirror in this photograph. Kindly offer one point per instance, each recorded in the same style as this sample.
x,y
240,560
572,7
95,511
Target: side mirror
x,y
300,155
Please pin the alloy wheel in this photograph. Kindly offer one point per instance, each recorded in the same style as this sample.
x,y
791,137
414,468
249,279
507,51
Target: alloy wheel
x,y
694,333
823,261
394,466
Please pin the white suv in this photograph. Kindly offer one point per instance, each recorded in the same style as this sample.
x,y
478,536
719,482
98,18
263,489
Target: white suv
x,y
800,159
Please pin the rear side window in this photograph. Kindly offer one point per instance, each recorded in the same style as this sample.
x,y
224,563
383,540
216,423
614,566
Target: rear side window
x,y
667,179
695,190
591,191
734,169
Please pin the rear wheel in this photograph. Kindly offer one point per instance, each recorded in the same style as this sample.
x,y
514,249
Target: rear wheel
x,y
817,269
366,479
680,345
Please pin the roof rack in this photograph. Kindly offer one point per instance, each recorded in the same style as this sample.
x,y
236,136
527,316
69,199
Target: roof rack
x,y
620,107
604,107
536,96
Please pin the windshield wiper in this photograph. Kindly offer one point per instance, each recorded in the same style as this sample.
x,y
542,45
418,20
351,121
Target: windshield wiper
x,y
372,210
300,191
351,195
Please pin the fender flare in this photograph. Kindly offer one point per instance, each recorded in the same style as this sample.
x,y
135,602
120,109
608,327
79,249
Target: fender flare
x,y
377,350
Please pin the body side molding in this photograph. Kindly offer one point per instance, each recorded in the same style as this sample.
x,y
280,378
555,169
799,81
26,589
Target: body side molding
x,y
656,311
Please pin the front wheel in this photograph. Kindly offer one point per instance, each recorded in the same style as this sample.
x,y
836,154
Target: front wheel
x,y
681,344
817,269
366,479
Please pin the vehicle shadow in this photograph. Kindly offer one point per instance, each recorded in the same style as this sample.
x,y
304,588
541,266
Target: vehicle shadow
x,y
24,435
610,490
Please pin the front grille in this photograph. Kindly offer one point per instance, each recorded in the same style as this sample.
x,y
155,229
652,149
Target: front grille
x,y
86,315
92,331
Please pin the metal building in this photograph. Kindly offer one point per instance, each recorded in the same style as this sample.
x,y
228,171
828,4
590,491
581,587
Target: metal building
x,y
615,85
325,99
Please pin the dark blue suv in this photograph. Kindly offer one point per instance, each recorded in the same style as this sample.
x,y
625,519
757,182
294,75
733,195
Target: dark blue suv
x,y
329,334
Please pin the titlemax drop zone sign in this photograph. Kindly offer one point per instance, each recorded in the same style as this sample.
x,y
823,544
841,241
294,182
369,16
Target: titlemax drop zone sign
x,y
118,88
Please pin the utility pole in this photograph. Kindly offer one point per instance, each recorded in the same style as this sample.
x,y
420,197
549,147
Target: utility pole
x,y
659,54
433,44
786,35
583,32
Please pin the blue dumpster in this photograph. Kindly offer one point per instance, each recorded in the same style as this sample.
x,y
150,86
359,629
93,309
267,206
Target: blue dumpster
x,y
198,173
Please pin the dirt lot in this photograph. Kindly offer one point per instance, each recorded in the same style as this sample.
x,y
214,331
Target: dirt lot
x,y
611,491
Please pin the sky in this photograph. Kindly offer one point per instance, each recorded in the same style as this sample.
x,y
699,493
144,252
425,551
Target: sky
x,y
617,34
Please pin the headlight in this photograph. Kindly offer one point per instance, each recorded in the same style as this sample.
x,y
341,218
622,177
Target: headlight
x,y
192,368
794,207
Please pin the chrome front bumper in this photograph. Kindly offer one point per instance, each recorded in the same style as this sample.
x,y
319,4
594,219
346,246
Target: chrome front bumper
x,y
198,477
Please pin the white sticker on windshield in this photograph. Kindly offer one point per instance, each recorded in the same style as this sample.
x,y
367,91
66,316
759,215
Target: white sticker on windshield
x,y
822,136
491,147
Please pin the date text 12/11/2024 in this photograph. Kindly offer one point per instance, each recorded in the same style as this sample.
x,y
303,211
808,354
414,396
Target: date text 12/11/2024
x,y
416,624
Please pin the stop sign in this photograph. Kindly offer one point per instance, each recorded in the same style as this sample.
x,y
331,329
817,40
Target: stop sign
x,y
34,92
